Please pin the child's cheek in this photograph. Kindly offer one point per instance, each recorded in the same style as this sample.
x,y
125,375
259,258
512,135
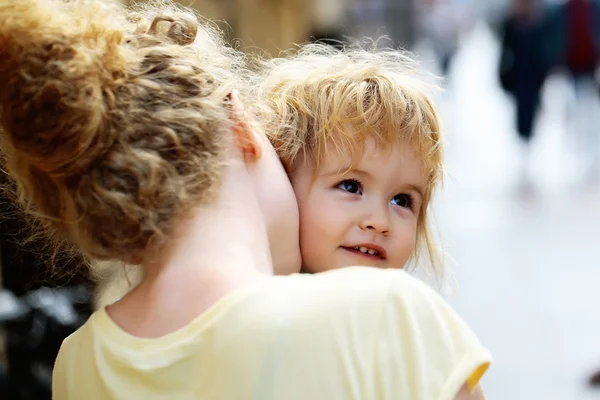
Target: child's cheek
x,y
319,231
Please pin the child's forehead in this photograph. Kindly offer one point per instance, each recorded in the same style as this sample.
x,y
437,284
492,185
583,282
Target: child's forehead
x,y
393,164
349,155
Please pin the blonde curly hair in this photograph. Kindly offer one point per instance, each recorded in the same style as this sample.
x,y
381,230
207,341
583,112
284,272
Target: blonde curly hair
x,y
324,99
113,121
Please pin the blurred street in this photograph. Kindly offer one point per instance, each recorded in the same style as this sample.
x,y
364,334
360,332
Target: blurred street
x,y
525,256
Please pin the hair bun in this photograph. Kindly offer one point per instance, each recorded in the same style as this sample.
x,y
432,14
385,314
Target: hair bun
x,y
180,28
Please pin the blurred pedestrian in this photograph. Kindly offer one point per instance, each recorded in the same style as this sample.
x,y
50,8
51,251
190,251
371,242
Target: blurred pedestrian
x,y
522,69
573,32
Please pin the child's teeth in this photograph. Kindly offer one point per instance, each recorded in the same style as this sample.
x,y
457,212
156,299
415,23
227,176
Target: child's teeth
x,y
366,250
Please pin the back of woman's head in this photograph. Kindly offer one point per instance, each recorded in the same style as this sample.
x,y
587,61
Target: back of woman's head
x,y
113,122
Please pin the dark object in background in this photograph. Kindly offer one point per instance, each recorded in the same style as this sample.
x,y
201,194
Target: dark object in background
x,y
34,318
29,265
332,38
597,79
523,68
35,326
595,379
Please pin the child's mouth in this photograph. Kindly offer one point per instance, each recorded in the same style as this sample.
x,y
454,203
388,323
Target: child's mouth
x,y
366,252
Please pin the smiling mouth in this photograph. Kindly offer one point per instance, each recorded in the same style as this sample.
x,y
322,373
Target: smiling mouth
x,y
365,251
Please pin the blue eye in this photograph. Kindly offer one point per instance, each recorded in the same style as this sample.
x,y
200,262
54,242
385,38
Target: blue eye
x,y
403,200
350,186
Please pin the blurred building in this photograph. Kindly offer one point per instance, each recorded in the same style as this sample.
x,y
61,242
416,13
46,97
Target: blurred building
x,y
276,25
260,25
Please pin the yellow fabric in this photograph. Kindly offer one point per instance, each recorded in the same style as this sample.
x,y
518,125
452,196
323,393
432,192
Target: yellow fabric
x,y
475,377
354,333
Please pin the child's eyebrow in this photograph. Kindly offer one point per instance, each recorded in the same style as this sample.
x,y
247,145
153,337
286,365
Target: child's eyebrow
x,y
345,171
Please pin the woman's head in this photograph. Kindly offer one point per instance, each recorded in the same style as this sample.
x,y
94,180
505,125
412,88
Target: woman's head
x,y
116,124
356,107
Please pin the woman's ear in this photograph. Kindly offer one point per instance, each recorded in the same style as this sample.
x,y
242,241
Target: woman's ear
x,y
134,259
250,142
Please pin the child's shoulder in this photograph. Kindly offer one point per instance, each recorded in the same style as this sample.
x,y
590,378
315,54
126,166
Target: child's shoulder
x,y
356,292
384,299
394,316
364,283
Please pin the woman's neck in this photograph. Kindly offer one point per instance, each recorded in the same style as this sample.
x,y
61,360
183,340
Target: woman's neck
x,y
224,247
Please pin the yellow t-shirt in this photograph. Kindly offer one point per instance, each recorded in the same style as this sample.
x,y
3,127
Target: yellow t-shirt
x,y
353,333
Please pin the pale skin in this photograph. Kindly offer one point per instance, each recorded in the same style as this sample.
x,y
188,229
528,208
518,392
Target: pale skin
x,y
465,394
365,215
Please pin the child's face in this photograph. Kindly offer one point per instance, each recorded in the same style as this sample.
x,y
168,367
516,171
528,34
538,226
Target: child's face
x,y
365,217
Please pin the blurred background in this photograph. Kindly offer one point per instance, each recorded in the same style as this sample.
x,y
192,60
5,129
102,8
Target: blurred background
x,y
520,211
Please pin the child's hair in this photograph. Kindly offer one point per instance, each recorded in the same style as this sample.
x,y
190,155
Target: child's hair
x,y
113,122
323,99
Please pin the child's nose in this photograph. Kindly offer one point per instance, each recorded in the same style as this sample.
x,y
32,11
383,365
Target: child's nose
x,y
377,221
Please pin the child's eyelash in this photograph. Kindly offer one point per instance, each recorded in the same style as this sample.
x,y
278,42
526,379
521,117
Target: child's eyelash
x,y
410,198
358,182
350,180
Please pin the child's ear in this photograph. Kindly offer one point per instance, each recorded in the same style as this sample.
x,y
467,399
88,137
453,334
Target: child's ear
x,y
250,142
